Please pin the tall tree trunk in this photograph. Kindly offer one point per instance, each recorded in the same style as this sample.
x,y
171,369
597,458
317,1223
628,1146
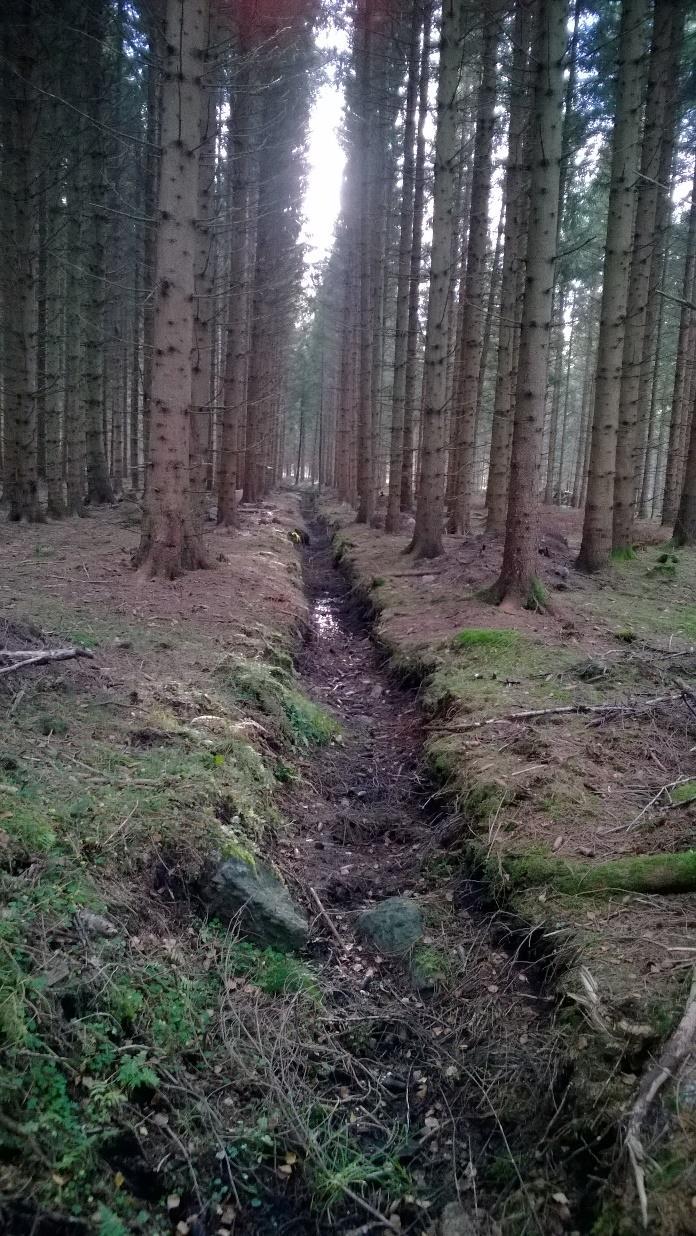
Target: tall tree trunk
x,y
517,580
74,406
411,394
402,291
94,302
597,530
516,221
459,513
550,488
20,268
366,492
427,538
155,35
664,63
242,143
685,522
566,401
582,459
684,350
201,413
171,539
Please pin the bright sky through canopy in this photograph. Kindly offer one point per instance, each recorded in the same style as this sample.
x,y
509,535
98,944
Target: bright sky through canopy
x,y
325,158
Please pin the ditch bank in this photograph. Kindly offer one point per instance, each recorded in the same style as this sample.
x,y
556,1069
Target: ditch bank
x,y
586,921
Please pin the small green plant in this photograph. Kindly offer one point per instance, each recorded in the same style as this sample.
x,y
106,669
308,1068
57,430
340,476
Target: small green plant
x,y
624,553
110,1224
338,1163
275,973
377,581
134,1073
537,598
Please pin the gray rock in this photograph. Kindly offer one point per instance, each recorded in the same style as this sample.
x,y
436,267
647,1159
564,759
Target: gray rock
x,y
393,927
251,894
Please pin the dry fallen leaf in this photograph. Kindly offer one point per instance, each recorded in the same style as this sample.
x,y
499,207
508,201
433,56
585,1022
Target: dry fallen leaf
x,y
173,1201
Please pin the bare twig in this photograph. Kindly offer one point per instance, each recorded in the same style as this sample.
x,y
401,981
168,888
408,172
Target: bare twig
x,y
675,1053
316,899
531,714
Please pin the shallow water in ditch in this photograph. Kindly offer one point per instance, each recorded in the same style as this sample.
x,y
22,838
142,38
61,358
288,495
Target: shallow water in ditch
x,y
455,1070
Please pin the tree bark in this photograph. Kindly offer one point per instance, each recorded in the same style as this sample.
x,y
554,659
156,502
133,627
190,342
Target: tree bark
x,y
20,272
685,522
664,60
365,462
201,434
245,194
412,392
597,530
518,578
403,276
427,539
684,350
99,489
171,540
516,222
459,513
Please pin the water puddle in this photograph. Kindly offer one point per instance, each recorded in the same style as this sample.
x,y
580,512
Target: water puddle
x,y
323,620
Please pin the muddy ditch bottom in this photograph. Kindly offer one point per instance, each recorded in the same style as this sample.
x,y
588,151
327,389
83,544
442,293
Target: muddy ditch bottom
x,y
446,1061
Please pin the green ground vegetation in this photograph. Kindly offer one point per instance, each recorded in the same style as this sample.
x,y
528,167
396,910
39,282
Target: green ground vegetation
x,y
114,992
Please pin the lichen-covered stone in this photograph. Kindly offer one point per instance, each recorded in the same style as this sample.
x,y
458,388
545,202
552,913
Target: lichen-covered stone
x,y
393,927
249,893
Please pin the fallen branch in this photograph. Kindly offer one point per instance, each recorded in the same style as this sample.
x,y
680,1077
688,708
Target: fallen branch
x,y
327,920
531,714
656,797
22,660
409,574
679,1046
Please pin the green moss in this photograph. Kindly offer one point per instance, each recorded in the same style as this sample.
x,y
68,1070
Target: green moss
x,y
428,967
486,637
537,598
271,691
482,800
25,820
656,873
684,793
275,973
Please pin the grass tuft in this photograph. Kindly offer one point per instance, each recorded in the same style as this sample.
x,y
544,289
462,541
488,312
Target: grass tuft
x,y
486,637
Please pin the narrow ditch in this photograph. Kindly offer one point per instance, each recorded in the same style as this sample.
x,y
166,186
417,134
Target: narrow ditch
x,y
454,1066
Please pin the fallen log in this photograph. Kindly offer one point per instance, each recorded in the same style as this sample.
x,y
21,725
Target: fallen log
x,y
23,659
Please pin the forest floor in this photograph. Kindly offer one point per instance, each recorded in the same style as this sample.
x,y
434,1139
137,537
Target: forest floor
x,y
160,1074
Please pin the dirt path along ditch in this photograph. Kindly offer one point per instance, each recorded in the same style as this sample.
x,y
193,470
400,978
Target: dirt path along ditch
x,y
447,1074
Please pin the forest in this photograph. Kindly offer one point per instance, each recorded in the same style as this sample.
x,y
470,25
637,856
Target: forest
x,y
347,617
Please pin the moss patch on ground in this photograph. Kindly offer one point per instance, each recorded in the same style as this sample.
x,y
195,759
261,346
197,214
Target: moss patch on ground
x,y
127,1023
